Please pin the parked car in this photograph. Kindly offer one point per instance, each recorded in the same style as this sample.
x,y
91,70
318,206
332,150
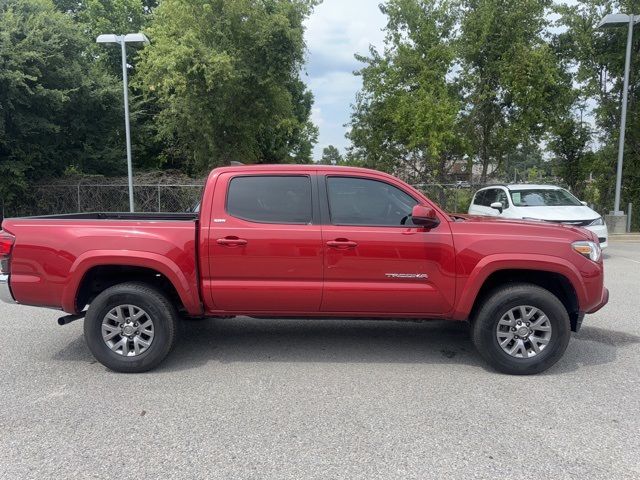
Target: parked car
x,y
538,202
305,241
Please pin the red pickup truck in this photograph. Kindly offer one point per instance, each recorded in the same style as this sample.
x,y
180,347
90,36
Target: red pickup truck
x,y
306,241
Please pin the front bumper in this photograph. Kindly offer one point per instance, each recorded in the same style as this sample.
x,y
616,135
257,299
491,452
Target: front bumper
x,y
603,302
602,233
5,289
576,322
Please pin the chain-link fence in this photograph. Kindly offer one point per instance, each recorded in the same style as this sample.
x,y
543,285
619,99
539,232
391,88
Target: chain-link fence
x,y
85,197
54,199
451,197
58,199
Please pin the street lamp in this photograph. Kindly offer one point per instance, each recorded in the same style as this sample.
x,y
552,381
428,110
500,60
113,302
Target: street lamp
x,y
610,21
123,40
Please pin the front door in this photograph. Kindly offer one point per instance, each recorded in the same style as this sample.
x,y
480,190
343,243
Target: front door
x,y
265,252
376,261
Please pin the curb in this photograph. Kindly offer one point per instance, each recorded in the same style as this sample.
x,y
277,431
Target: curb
x,y
624,237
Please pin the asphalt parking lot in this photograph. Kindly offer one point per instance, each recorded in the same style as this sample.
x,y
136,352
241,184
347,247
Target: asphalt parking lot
x,y
262,399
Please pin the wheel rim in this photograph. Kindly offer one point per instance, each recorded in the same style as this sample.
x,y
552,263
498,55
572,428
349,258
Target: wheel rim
x,y
524,331
128,330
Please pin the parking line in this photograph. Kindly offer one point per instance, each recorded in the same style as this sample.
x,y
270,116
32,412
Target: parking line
x,y
631,259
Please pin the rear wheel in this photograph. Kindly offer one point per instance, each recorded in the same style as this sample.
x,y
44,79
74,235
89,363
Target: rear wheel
x,y
130,327
521,329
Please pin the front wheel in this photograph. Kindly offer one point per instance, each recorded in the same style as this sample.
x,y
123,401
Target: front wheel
x,y
521,329
130,327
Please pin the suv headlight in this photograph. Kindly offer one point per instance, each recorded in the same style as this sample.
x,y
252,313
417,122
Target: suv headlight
x,y
597,221
588,249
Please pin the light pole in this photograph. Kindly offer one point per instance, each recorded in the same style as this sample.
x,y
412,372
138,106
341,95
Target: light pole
x,y
123,40
609,21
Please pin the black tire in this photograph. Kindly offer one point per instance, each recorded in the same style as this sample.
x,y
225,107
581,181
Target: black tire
x,y
158,307
499,303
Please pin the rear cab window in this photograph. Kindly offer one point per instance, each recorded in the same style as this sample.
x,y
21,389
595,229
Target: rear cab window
x,y
283,199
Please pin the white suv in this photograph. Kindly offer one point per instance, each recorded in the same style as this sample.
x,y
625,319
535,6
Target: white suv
x,y
538,202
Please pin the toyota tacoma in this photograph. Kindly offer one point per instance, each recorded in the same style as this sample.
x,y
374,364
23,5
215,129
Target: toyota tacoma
x,y
306,242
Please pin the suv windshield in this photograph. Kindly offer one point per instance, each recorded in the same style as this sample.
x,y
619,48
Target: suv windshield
x,y
543,198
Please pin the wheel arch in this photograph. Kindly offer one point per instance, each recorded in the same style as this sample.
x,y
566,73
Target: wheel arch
x,y
551,273
554,282
95,272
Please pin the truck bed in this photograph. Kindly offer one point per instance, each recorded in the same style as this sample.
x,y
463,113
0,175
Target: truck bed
x,y
54,255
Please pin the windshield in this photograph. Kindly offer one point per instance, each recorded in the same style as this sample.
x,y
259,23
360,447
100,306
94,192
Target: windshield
x,y
544,198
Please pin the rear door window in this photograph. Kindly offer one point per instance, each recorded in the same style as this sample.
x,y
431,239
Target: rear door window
x,y
271,199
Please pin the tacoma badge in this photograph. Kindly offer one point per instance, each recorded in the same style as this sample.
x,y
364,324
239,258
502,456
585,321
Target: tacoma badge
x,y
407,275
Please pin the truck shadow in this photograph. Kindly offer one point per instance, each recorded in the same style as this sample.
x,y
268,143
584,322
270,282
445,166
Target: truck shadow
x,y
338,341
351,341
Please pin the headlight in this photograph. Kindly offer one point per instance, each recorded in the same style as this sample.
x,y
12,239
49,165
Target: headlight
x,y
597,221
588,249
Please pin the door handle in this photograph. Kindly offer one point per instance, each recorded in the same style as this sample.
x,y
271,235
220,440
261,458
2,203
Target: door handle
x,y
341,243
232,242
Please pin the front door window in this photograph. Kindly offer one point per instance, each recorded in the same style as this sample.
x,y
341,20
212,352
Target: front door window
x,y
358,201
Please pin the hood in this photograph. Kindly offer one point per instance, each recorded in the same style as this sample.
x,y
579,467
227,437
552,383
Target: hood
x,y
478,237
559,213
509,226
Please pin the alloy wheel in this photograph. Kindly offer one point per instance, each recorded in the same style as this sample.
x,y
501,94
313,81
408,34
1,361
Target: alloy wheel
x,y
128,330
524,331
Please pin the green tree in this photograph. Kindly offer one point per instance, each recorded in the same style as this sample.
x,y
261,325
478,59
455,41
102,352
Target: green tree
x,y
598,58
406,117
331,156
510,76
523,158
55,105
226,75
96,17
110,16
569,142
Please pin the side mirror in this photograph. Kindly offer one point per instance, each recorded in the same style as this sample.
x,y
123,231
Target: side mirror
x,y
585,204
497,206
424,216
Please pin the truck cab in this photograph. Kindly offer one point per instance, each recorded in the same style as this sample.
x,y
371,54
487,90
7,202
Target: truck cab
x,y
294,241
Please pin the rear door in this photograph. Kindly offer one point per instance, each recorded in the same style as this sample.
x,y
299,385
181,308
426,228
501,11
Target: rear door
x,y
376,261
265,249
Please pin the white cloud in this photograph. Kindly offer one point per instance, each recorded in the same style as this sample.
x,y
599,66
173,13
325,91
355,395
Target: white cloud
x,y
316,117
336,31
335,87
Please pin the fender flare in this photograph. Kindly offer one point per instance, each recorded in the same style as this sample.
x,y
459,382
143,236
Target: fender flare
x,y
187,290
494,263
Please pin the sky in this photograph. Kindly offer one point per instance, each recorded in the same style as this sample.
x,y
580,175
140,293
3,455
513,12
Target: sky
x,y
336,31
